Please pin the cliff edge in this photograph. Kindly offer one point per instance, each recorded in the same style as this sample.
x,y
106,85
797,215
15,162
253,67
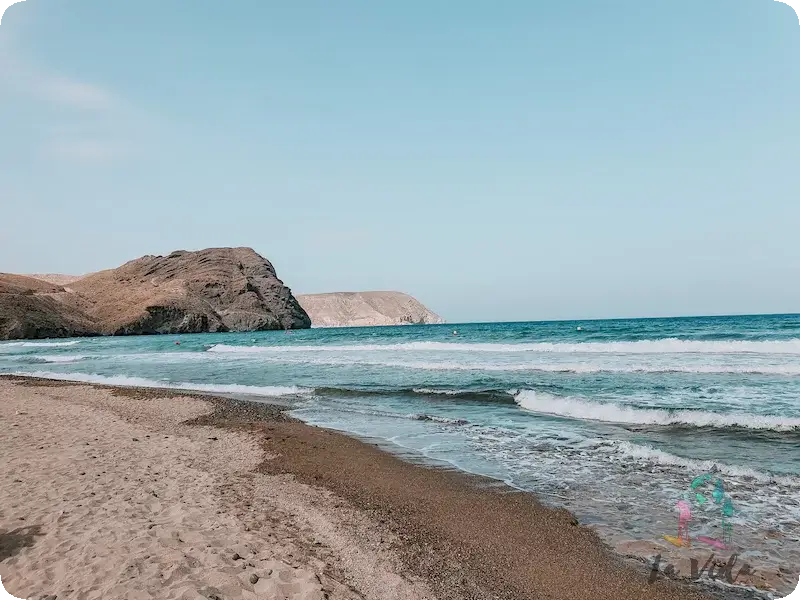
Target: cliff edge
x,y
366,309
212,290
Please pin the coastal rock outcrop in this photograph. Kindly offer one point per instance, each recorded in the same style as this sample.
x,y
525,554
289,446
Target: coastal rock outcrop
x,y
212,290
30,308
218,289
366,309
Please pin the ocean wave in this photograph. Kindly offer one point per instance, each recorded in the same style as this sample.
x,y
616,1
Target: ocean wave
x,y
533,367
575,408
437,419
125,381
628,450
656,346
65,358
38,344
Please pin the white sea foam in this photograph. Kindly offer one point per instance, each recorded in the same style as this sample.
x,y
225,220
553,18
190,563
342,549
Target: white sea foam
x,y
59,358
125,381
38,344
658,346
659,457
437,392
437,419
532,367
576,408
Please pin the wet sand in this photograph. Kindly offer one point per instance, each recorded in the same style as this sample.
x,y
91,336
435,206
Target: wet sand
x,y
223,491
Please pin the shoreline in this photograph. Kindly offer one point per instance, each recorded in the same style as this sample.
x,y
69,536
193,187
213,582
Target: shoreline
x,y
465,536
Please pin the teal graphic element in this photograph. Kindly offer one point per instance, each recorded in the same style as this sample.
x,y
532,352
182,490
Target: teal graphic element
x,y
701,496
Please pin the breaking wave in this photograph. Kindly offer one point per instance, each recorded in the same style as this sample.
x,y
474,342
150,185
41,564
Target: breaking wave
x,y
575,408
533,367
38,344
628,450
124,381
437,419
659,346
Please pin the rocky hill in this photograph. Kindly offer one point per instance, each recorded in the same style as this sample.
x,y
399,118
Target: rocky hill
x,y
30,308
55,278
218,289
365,309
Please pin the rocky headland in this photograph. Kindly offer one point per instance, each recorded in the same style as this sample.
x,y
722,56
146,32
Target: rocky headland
x,y
212,290
366,309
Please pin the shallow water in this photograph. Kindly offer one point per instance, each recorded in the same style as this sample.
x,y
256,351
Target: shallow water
x,y
612,419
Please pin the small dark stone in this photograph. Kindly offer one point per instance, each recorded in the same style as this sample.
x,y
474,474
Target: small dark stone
x,y
236,556
254,579
135,439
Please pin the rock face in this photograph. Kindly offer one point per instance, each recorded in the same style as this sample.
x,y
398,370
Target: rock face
x,y
30,308
213,290
56,279
366,309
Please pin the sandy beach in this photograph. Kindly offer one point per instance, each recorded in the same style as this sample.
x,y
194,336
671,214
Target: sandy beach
x,y
136,494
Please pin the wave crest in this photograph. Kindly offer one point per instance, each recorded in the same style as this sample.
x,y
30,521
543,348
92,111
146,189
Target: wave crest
x,y
575,408
38,344
656,346
125,381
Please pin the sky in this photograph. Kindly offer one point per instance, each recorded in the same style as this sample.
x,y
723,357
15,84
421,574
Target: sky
x,y
522,160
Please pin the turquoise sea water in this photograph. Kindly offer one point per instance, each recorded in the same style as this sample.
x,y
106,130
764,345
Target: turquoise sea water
x,y
612,419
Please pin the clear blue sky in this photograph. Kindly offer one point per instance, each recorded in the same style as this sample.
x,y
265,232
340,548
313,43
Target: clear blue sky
x,y
500,161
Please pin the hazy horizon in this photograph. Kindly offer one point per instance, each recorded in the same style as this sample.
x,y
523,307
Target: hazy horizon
x,y
530,162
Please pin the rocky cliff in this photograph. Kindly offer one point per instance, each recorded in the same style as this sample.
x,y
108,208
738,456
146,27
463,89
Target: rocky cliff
x,y
218,289
365,309
30,308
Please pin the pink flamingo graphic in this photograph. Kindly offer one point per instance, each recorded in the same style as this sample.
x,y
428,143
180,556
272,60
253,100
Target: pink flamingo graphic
x,y
684,517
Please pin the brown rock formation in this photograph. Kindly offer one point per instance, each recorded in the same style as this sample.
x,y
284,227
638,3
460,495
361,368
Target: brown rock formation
x,y
218,289
366,309
30,308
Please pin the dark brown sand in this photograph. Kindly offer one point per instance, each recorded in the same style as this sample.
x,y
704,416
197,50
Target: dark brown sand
x,y
467,536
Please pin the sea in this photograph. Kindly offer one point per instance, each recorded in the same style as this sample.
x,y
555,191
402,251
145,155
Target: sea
x,y
615,420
